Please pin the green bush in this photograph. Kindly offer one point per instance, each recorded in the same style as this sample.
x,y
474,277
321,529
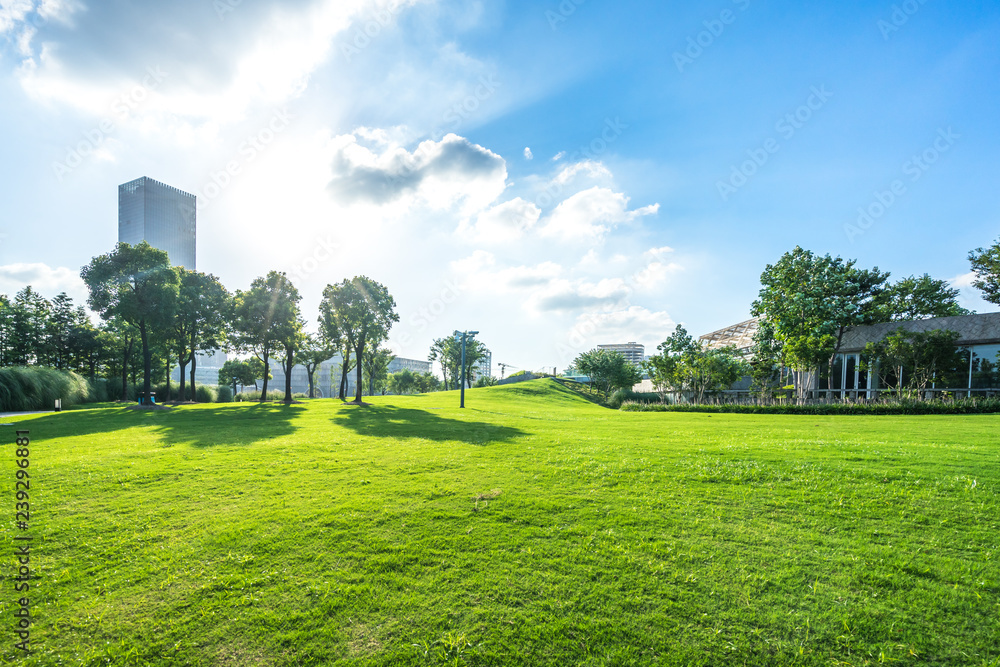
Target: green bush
x,y
965,406
225,393
206,394
272,395
37,388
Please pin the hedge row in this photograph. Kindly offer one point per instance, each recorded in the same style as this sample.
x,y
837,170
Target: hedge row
x,y
964,406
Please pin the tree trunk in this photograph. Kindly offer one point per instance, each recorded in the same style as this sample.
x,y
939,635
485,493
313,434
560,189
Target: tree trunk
x,y
194,365
310,372
147,359
267,371
359,352
128,354
289,359
181,393
343,373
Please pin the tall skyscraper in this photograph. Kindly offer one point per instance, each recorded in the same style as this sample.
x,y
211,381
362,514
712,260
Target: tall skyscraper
x,y
161,215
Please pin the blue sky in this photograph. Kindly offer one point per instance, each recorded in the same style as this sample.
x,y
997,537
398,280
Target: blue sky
x,y
675,150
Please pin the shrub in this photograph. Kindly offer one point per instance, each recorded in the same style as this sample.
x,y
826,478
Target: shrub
x,y
37,388
273,395
206,394
965,406
225,393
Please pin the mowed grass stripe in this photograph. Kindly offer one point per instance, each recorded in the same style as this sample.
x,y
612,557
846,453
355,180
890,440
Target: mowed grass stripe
x,y
331,534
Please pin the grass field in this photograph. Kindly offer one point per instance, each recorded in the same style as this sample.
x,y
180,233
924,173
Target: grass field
x,y
532,528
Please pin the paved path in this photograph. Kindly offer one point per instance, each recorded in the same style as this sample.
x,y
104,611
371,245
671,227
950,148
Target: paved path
x,y
4,415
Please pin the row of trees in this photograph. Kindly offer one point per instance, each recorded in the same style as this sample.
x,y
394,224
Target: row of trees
x,y
155,305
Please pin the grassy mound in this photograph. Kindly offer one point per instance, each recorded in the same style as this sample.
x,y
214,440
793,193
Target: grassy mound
x,y
531,528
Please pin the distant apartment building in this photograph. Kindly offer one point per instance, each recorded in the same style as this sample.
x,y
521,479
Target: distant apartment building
x,y
484,368
413,365
634,353
161,215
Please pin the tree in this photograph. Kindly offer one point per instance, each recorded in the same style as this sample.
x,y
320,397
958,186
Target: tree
x,y
448,352
920,298
291,342
137,285
917,356
402,382
812,301
266,316
986,267
314,351
426,382
204,308
608,370
376,367
684,364
333,335
766,360
238,371
362,312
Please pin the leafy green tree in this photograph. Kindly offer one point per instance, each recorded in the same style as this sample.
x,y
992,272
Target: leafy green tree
x,y
486,381
292,341
448,352
6,330
608,370
986,267
402,382
204,310
29,318
426,382
362,311
333,334
684,364
376,367
137,285
919,298
812,301
766,360
917,356
238,371
265,317
314,351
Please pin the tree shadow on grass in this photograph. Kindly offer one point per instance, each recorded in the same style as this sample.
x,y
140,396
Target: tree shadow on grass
x,y
386,421
239,424
243,425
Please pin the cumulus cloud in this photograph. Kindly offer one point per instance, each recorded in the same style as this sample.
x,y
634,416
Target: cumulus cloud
x,y
45,280
528,155
504,222
591,214
565,295
440,172
633,323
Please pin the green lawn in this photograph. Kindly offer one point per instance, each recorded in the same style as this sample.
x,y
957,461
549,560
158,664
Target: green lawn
x,y
324,533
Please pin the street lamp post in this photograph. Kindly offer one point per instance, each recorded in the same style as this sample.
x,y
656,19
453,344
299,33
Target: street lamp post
x,y
464,335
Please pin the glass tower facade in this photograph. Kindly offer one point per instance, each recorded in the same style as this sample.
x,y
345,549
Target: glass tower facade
x,y
161,215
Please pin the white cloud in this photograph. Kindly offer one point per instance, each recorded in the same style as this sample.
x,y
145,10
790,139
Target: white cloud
x,y
633,323
504,222
44,279
440,173
12,12
528,155
566,295
591,214
587,168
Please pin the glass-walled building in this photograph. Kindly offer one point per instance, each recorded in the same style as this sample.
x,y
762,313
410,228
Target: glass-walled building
x,y
161,215
972,370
